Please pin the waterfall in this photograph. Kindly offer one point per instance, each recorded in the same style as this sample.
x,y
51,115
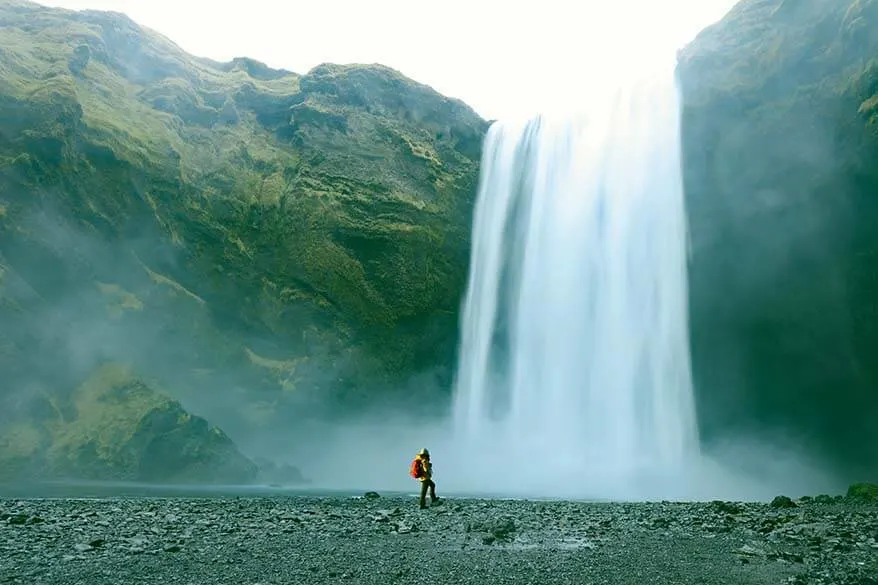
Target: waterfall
x,y
574,366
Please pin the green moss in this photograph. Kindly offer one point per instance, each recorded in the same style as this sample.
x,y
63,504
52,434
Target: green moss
x,y
175,287
108,406
19,440
280,366
221,213
119,300
114,426
863,492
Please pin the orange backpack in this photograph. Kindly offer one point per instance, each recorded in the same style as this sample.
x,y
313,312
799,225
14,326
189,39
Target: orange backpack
x,y
417,470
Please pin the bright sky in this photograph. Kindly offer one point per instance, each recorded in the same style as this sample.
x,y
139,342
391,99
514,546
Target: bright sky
x,y
501,57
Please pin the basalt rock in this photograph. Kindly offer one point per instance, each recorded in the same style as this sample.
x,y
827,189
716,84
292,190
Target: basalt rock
x,y
779,148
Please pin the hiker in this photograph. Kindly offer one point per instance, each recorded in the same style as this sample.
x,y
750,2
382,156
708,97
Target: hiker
x,y
422,470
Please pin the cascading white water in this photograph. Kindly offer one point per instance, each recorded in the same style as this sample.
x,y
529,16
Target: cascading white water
x,y
574,358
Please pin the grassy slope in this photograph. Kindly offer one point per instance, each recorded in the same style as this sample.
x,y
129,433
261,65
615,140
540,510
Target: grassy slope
x,y
780,143
244,235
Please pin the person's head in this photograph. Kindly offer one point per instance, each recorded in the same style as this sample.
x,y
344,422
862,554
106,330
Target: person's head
x,y
424,454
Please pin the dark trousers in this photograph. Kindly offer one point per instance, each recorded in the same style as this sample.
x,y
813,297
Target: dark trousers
x,y
425,485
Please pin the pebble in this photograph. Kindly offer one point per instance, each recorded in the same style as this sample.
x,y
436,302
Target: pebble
x,y
386,539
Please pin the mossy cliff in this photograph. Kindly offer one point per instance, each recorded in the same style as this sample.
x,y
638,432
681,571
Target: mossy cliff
x,y
780,146
264,246
260,243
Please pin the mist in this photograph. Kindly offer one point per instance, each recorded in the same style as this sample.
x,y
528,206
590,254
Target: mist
x,y
373,453
366,445
781,412
81,300
73,324
85,299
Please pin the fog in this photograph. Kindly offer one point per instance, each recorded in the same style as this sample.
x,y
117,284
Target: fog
x,y
69,331
75,299
374,453
75,294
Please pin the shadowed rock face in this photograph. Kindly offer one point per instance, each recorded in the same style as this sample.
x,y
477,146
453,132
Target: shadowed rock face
x,y
176,447
780,149
264,245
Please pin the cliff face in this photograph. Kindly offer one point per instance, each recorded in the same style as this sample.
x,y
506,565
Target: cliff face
x,y
780,146
261,244
265,246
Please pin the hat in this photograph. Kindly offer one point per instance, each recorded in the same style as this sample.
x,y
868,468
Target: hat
x,y
424,452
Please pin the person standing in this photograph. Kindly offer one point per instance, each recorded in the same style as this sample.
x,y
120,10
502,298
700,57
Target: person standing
x,y
422,470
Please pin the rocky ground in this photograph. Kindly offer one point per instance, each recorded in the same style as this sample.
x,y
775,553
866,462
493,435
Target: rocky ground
x,y
381,540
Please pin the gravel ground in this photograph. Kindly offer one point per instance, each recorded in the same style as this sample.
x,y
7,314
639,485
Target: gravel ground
x,y
381,540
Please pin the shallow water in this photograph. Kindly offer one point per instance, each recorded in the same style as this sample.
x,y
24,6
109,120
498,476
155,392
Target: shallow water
x,y
85,489
94,489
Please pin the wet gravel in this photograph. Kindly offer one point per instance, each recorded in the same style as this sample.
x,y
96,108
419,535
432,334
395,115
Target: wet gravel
x,y
380,540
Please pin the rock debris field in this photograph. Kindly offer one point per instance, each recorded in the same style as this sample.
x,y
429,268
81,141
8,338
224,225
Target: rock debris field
x,y
385,540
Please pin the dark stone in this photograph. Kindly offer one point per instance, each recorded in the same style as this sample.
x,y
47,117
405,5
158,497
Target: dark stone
x,y
787,556
79,60
726,507
782,502
502,528
371,495
18,519
176,446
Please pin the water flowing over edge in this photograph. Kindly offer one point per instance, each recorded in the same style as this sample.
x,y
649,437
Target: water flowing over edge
x,y
500,463
574,356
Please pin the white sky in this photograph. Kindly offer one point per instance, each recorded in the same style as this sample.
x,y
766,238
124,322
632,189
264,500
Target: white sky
x,y
501,57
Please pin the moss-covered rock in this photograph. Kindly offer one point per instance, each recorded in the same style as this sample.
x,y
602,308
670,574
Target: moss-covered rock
x,y
264,244
863,492
114,426
779,156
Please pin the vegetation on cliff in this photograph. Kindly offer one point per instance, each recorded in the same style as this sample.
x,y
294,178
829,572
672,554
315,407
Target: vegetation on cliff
x,y
264,246
113,426
780,143
258,242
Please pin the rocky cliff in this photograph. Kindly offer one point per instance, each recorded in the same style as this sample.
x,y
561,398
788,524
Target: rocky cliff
x,y
780,145
259,243
262,245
